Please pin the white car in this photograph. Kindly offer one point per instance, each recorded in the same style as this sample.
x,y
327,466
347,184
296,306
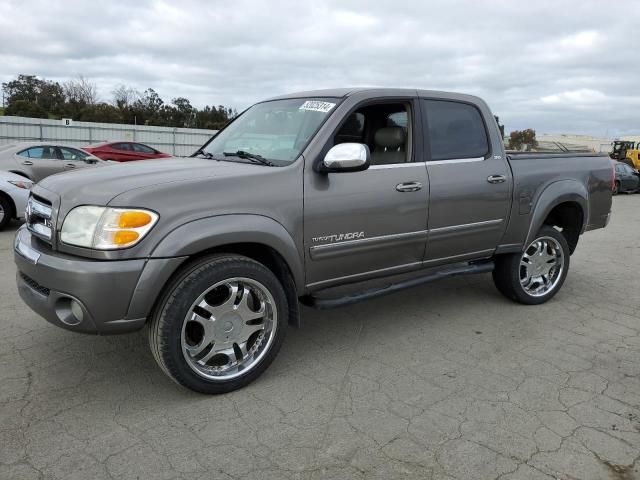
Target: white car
x,y
14,192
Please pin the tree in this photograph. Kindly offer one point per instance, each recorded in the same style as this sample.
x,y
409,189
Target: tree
x,y
522,138
101,112
29,88
124,96
51,97
184,112
147,108
81,91
214,118
25,108
30,96
25,87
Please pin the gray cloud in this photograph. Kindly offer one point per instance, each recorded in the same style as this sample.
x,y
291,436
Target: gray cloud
x,y
569,66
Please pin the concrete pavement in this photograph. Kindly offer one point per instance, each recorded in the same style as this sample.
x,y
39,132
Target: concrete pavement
x,y
445,381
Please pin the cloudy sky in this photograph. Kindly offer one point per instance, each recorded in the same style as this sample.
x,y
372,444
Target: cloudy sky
x,y
557,66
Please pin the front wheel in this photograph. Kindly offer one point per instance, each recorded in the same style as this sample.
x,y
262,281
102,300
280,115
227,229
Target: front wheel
x,y
6,212
616,188
220,323
537,274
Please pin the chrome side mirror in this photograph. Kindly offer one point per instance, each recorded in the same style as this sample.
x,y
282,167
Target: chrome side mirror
x,y
347,157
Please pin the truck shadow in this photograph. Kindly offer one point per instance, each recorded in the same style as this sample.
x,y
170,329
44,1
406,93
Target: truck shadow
x,y
118,367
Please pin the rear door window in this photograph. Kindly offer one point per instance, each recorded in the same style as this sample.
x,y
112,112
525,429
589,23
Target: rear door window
x,y
72,154
138,147
39,152
456,130
121,146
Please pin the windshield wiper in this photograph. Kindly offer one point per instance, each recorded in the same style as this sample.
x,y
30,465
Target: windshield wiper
x,y
255,158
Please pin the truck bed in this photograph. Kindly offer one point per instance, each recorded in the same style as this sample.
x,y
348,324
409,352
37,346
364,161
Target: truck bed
x,y
535,173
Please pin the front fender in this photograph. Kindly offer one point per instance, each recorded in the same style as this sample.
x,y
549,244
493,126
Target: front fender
x,y
554,194
207,233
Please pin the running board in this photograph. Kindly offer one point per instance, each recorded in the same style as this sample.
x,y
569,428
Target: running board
x,y
327,303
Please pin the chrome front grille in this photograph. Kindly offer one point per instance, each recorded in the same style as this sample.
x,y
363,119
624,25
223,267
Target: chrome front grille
x,y
39,218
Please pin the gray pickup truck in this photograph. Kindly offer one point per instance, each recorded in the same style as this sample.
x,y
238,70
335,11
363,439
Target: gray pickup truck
x,y
297,198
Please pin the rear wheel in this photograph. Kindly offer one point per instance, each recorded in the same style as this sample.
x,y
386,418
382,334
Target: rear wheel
x,y
220,324
537,274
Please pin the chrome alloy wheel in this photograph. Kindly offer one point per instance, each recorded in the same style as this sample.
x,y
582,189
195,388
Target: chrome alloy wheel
x,y
2,213
541,266
229,328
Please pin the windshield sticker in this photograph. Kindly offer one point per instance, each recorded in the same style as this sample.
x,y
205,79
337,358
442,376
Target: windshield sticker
x,y
317,106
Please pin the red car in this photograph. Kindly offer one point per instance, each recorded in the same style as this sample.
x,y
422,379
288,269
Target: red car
x,y
124,151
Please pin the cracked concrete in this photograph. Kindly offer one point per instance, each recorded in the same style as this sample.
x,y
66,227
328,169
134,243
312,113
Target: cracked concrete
x,y
446,381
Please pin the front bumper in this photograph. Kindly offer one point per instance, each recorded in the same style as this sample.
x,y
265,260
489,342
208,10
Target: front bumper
x,y
84,295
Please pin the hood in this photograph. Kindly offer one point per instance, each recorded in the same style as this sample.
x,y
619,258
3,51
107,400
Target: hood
x,y
98,186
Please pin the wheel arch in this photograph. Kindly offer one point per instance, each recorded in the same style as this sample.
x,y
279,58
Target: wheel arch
x,y
562,204
256,237
22,174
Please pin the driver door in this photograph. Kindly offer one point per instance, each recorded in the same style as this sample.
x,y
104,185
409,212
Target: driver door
x,y
360,225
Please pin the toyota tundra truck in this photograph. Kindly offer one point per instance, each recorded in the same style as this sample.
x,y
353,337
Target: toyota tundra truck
x,y
323,198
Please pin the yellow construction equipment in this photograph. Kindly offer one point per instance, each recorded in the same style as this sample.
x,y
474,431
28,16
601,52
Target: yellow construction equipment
x,y
626,152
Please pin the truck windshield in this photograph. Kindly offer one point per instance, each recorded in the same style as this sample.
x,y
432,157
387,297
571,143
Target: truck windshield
x,y
277,130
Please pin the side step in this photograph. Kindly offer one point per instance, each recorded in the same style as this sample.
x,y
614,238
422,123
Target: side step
x,y
327,303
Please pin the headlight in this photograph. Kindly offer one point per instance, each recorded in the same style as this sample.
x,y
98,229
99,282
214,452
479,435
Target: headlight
x,y
104,228
22,184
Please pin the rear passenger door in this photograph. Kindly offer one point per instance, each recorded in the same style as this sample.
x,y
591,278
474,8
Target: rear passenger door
x,y
470,184
122,152
40,161
142,151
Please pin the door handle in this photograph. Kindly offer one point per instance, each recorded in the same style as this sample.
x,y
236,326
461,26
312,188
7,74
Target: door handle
x,y
409,187
70,165
27,162
496,179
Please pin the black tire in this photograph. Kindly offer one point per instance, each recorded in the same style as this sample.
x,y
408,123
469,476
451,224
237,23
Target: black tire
x,y
616,188
506,274
166,325
8,213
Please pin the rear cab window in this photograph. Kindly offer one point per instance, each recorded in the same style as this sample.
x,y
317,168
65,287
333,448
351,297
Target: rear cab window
x,y
456,130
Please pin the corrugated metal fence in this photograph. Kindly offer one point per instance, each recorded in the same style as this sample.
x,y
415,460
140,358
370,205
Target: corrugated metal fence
x,y
176,141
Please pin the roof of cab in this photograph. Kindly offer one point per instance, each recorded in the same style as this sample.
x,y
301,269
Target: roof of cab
x,y
376,91
327,92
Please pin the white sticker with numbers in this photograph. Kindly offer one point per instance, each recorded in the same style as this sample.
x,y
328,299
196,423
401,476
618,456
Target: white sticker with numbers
x,y
317,106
